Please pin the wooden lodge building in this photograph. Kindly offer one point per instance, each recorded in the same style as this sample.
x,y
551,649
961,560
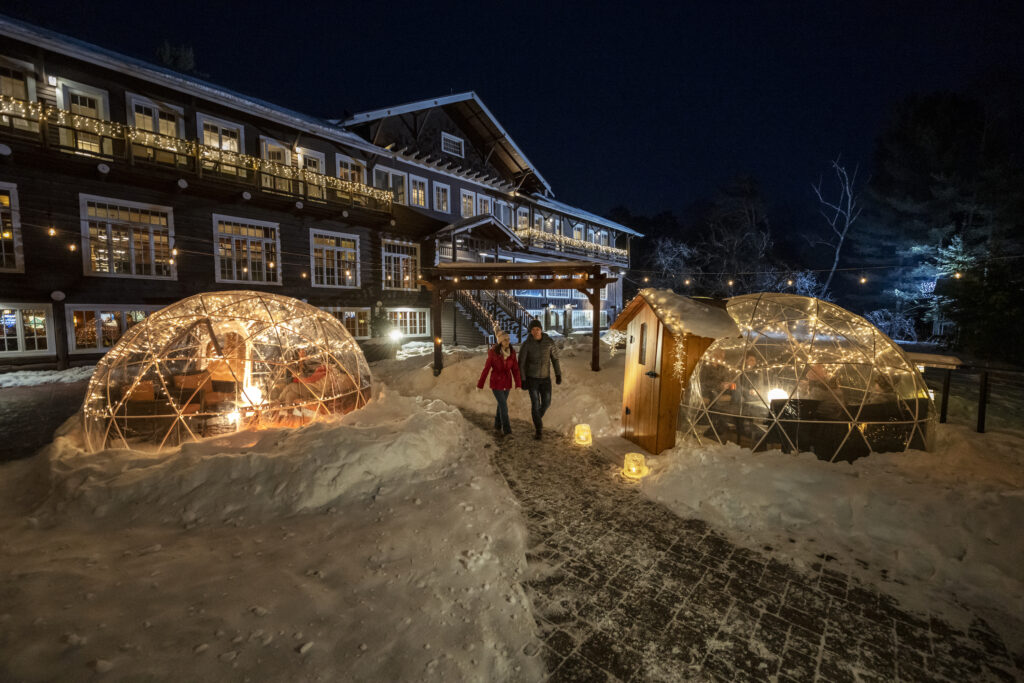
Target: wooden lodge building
x,y
126,186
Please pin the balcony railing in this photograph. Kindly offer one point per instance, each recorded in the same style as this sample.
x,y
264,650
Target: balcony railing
x,y
73,133
571,245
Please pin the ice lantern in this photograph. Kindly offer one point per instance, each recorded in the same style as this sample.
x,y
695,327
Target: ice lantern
x,y
634,466
582,435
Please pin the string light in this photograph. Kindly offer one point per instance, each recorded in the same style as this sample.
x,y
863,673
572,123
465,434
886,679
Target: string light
x,y
863,280
957,275
73,247
686,282
730,283
51,232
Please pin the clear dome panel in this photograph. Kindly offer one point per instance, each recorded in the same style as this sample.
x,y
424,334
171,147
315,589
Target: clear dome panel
x,y
221,362
806,375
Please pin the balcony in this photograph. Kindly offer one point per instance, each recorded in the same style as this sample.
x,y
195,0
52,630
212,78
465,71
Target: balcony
x,y
545,241
63,131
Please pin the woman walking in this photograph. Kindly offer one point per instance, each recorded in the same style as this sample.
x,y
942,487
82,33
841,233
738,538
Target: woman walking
x,y
504,369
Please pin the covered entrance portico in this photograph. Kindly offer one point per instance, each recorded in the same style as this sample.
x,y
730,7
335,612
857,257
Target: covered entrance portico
x,y
446,278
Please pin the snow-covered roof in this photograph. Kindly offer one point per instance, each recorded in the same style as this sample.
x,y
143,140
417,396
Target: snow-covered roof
x,y
681,314
584,215
131,66
478,119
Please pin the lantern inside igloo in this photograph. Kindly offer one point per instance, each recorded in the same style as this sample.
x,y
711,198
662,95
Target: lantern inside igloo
x,y
220,362
807,375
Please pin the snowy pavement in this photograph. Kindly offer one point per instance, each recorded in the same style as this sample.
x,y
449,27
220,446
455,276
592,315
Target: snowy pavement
x,y
624,589
30,412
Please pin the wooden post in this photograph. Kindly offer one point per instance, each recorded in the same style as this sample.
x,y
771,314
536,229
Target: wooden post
x,y
945,396
595,351
436,299
60,335
982,401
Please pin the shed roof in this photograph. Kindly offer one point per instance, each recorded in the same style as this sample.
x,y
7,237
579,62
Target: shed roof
x,y
681,314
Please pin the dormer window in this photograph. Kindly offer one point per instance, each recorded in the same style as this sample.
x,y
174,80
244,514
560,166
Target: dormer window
x,y
452,145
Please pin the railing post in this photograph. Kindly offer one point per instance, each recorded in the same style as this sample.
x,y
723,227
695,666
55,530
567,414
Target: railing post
x,y
982,401
945,396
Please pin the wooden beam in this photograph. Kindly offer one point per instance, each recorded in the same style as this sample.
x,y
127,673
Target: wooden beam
x,y
436,299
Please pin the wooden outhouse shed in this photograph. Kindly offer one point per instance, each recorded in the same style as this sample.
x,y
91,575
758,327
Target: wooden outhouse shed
x,y
666,334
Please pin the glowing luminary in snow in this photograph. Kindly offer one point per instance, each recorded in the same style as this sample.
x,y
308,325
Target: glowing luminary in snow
x,y
582,435
634,466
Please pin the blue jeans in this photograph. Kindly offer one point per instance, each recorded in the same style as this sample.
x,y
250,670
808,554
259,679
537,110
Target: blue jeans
x,y
540,400
501,415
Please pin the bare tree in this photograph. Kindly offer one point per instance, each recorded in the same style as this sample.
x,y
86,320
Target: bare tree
x,y
840,214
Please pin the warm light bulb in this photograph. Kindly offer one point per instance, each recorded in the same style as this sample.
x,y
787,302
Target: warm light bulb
x,y
957,275
73,247
51,232
686,282
730,283
304,276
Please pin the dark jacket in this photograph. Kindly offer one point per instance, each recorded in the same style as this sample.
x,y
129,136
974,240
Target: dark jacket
x,y
504,371
536,356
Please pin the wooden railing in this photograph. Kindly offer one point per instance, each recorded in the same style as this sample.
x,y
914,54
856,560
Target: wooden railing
x,y
571,245
63,131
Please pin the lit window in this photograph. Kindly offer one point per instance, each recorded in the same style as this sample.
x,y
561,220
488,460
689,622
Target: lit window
x,y
277,153
219,134
452,145
468,203
356,320
483,204
350,169
90,103
312,163
98,328
411,322
441,198
388,179
13,83
127,239
417,191
17,80
24,329
522,218
334,259
247,250
401,265
10,230
154,117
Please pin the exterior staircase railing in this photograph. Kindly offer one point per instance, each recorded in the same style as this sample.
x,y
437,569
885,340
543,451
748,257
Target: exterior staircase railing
x,y
508,309
478,313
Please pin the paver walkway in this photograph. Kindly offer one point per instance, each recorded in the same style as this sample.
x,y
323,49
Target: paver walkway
x,y
30,415
625,589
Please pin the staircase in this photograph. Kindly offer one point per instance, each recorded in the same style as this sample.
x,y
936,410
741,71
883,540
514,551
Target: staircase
x,y
461,329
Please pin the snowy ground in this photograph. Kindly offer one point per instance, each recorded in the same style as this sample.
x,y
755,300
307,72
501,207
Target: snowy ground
x,y
381,546
31,378
387,540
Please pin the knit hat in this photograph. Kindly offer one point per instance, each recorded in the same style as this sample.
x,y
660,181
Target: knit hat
x,y
535,323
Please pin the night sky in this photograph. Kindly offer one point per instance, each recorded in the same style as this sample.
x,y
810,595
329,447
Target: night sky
x,y
651,108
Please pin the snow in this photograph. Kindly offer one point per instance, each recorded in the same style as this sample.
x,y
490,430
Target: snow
x,y
383,545
681,314
31,378
380,545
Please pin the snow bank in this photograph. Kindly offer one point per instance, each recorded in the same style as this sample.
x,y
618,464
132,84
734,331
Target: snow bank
x,y
583,396
31,378
380,545
948,521
681,314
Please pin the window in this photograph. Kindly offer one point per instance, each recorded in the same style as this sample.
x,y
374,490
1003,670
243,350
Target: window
x,y
276,152
585,319
155,117
577,231
412,322
11,257
25,329
468,203
401,265
126,239
351,170
522,218
220,134
452,145
388,179
642,351
246,250
417,191
441,198
89,102
483,204
313,162
334,259
17,80
97,328
538,222
503,212
356,320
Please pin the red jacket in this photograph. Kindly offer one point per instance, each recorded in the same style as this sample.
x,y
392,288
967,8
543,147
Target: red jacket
x,y
503,370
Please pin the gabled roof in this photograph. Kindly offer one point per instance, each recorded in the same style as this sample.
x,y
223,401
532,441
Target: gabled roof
x,y
484,225
108,59
473,116
680,314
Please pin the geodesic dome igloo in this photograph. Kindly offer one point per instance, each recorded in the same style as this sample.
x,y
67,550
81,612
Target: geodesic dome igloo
x,y
807,375
221,362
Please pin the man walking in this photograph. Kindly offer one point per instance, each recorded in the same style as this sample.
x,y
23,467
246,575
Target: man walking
x,y
536,356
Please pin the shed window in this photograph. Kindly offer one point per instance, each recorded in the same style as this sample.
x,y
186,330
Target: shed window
x,y
642,356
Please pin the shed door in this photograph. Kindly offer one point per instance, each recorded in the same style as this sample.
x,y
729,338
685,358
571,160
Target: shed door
x,y
642,381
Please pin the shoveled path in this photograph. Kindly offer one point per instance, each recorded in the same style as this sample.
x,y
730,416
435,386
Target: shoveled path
x,y
30,415
624,589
